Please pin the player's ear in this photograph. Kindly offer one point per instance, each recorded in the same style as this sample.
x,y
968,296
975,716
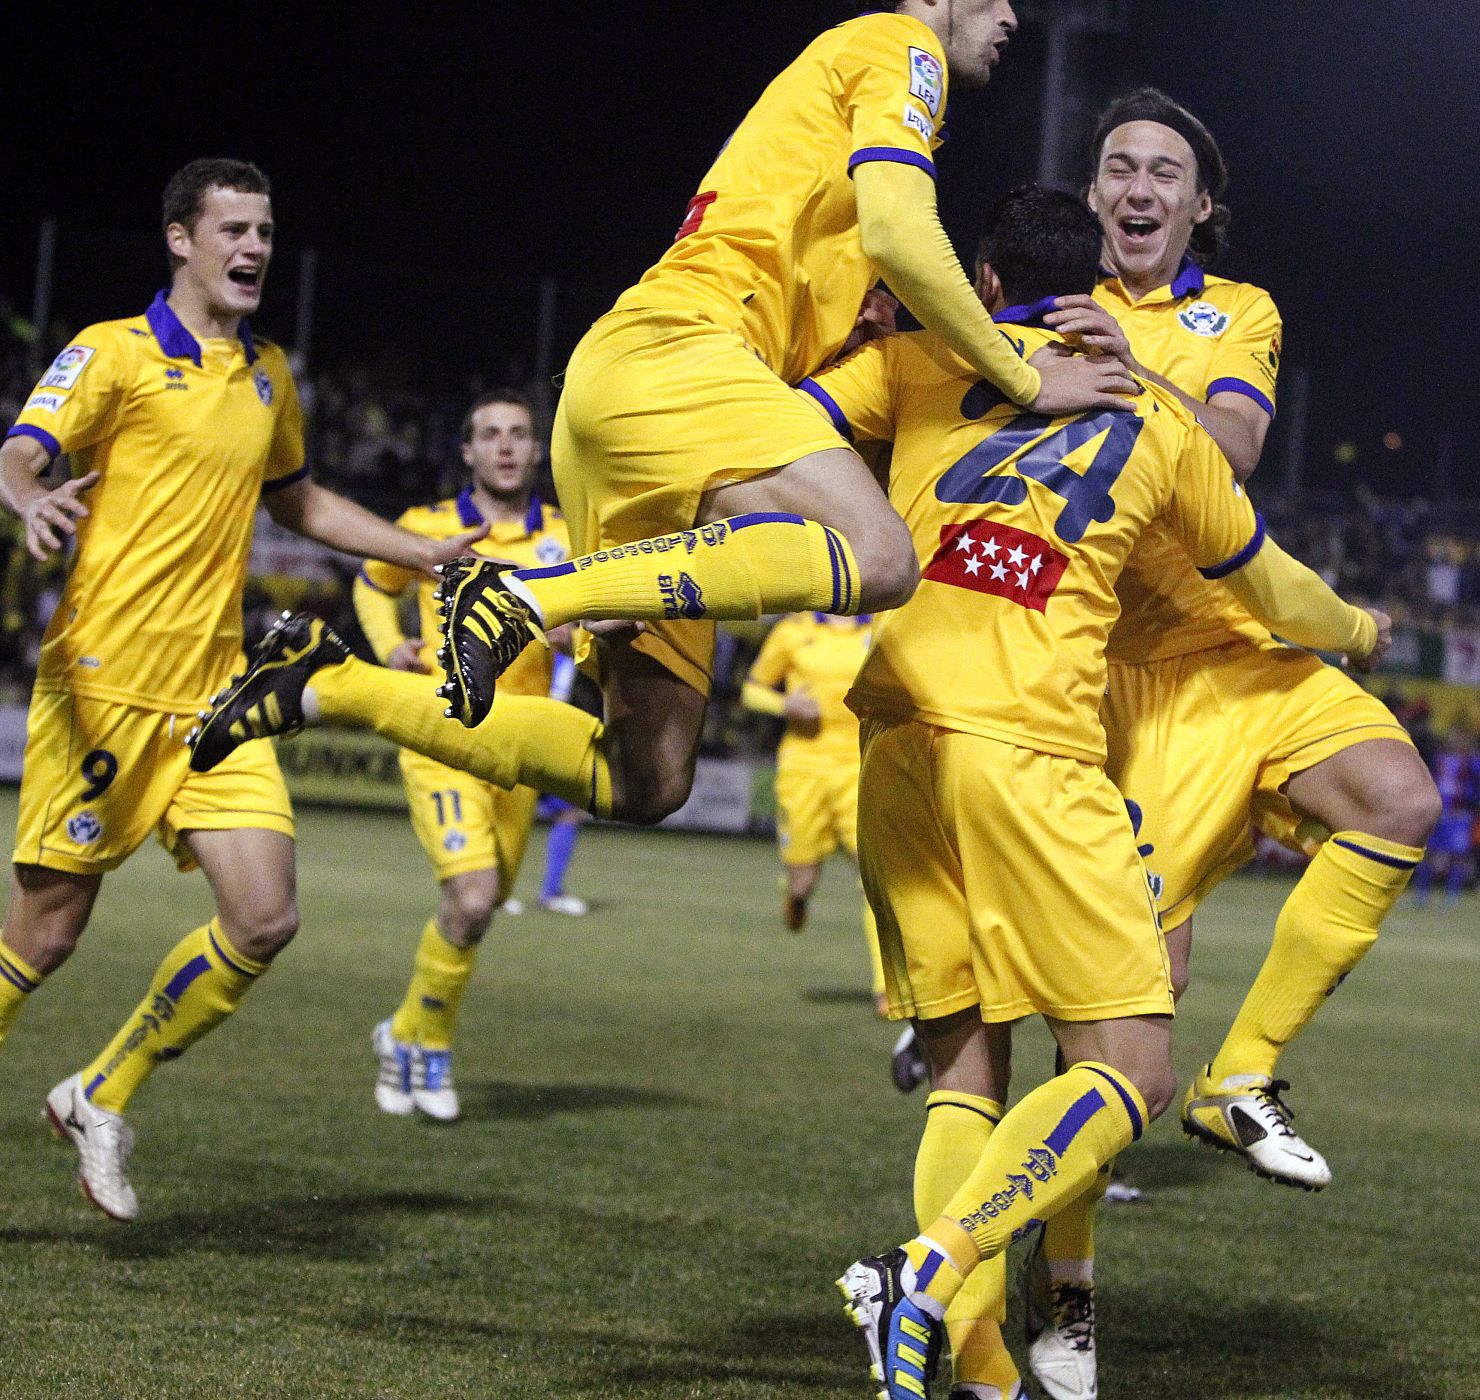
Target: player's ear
x,y
177,240
988,286
1204,210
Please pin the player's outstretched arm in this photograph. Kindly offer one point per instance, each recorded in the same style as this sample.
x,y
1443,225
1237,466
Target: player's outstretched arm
x,y
318,514
903,237
49,514
1295,603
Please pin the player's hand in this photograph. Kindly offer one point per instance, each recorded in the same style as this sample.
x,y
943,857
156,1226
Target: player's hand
x,y
407,657
1078,383
1083,320
876,319
1373,659
53,515
435,553
802,711
614,629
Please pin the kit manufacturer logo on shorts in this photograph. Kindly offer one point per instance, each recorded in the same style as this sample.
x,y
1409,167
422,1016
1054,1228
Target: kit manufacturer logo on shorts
x,y
551,552
927,79
66,368
263,382
84,828
454,841
1203,318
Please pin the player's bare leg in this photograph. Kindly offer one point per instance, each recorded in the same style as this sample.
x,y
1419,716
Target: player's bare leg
x,y
800,880
253,876
1380,804
47,912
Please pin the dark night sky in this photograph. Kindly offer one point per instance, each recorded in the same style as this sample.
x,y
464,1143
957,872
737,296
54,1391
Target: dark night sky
x,y
443,157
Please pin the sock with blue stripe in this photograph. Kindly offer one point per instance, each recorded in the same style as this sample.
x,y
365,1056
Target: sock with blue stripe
x,y
734,569
18,979
957,1129
201,981
440,974
1045,1151
559,848
1327,925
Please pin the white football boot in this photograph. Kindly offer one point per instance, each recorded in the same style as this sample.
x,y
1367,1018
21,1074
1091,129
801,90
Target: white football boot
x,y
393,1082
103,1142
1245,1114
432,1089
572,905
1060,1322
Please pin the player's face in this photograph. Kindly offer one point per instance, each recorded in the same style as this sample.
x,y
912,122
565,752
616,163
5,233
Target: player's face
x,y
973,33
227,253
503,451
1146,195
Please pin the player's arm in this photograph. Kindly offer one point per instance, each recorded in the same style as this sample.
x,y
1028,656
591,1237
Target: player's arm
x,y
1236,410
902,236
763,690
1227,540
379,590
49,514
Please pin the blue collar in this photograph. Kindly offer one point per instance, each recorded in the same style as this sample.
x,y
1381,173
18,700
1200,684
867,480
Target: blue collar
x,y
1190,280
1027,315
471,516
178,343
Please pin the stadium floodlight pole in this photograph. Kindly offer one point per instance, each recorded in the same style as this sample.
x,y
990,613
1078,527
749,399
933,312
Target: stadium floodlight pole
x,y
46,263
308,282
1295,415
544,355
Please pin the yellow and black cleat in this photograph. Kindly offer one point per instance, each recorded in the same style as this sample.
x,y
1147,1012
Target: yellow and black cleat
x,y
485,626
268,700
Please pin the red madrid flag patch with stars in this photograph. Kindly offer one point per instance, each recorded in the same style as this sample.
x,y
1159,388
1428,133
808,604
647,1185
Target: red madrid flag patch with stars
x,y
989,557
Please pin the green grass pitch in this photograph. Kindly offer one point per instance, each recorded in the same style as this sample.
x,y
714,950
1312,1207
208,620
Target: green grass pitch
x,y
679,1127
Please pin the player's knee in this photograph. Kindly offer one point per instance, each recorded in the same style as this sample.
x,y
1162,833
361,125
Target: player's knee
x,y
887,567
467,907
651,803
263,931
1416,810
1181,980
1157,1087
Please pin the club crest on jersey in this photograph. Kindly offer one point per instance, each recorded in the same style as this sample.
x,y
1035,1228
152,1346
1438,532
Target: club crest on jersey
x,y
927,79
1203,318
84,828
67,367
263,382
551,552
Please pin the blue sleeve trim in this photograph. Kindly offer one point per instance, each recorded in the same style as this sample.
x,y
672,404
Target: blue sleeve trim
x,y
895,153
370,583
839,419
1237,562
765,517
52,446
1396,862
1241,386
278,483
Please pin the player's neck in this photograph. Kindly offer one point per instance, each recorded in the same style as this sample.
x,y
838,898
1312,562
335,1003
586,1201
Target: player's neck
x,y
1139,285
500,510
198,318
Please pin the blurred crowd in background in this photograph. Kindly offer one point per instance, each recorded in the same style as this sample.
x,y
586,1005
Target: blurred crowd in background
x,y
389,446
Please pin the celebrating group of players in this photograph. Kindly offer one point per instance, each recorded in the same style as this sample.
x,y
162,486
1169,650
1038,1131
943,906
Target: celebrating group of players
x,y
1072,709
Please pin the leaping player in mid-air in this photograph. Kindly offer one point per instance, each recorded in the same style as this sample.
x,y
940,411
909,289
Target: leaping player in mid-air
x,y
695,485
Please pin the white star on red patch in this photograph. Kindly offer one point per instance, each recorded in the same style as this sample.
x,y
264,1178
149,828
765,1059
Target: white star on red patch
x,y
990,548
973,566
1015,556
999,572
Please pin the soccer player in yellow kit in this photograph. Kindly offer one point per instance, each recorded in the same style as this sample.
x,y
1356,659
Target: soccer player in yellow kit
x,y
801,675
1212,724
999,858
179,421
473,833
676,416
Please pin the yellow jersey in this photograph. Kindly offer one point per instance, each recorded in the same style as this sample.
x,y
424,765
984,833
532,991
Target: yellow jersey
x,y
185,436
1207,336
770,246
805,651
539,538
1022,525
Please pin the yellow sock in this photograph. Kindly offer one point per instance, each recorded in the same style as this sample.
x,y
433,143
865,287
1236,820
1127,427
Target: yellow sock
x,y
439,977
1329,921
18,979
1069,1236
543,744
1044,1152
957,1128
875,958
201,981
733,569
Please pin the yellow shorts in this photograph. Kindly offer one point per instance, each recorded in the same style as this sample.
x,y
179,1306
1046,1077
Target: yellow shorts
x,y
1003,878
100,776
464,824
816,812
660,406
1204,744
